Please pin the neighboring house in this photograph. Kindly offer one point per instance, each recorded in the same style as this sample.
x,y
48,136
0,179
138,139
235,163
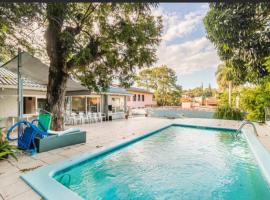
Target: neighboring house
x,y
140,98
78,98
188,103
211,101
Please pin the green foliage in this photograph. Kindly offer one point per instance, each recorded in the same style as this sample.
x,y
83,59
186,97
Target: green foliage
x,y
162,80
200,91
96,42
240,32
226,112
12,18
5,148
255,99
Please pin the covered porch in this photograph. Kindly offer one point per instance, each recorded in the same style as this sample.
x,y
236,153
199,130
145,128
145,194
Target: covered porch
x,y
100,106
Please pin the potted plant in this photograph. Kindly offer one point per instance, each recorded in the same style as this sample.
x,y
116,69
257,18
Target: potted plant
x,y
6,149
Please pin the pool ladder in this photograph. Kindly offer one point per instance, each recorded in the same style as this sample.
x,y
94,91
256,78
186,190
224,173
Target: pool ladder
x,y
245,123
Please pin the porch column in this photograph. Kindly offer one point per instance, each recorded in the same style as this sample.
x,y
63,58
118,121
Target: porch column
x,y
105,105
125,104
85,104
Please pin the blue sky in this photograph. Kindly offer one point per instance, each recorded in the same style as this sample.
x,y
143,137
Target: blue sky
x,y
184,46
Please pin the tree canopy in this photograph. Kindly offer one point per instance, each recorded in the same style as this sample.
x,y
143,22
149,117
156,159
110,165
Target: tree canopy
x,y
95,42
163,81
241,34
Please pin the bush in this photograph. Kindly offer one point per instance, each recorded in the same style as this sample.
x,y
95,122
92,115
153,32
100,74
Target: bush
x,y
254,101
226,112
6,148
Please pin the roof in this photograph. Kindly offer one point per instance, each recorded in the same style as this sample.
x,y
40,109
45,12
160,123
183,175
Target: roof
x,y
9,79
117,90
135,89
33,69
35,74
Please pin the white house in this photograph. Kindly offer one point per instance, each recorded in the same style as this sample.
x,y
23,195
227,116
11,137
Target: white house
x,y
35,79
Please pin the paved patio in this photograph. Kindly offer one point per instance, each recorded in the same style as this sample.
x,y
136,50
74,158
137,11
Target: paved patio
x,y
99,136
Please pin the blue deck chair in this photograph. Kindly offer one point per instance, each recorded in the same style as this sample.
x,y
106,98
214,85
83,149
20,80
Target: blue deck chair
x,y
28,131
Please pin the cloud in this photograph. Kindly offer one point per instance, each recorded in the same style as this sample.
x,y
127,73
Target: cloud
x,y
190,55
178,28
177,25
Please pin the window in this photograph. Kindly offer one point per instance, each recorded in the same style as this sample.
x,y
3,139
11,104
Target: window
x,y
139,97
29,105
134,97
93,104
142,97
117,104
41,104
78,104
153,98
128,98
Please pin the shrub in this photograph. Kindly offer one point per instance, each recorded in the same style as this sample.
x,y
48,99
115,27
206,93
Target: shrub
x,y
226,112
6,148
254,101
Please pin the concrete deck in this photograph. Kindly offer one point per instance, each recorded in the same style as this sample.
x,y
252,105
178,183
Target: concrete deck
x,y
99,135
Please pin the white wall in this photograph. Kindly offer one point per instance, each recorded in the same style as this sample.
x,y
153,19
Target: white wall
x,y
8,106
148,100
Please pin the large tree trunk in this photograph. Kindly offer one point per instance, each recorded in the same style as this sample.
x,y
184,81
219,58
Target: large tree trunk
x,y
58,73
56,90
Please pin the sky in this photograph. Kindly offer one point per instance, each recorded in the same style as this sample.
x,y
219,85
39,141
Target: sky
x,y
184,46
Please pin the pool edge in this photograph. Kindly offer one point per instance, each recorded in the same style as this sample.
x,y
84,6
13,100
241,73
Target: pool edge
x,y
42,177
262,155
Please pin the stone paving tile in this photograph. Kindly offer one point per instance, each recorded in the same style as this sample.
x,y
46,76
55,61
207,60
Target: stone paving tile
x,y
53,158
9,179
12,190
28,195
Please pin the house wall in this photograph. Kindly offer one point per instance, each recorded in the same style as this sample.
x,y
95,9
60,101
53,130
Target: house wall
x,y
148,100
186,105
8,103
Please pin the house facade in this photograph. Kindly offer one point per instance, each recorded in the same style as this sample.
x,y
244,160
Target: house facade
x,y
140,98
35,79
113,102
34,97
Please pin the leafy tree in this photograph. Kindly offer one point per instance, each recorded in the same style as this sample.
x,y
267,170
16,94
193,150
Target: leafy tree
x,y
95,42
162,80
255,99
241,32
208,92
12,18
225,79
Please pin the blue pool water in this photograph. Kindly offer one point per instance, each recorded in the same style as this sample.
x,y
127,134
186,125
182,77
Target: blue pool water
x,y
176,163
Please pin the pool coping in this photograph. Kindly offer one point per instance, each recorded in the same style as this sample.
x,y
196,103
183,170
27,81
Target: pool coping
x,y
41,180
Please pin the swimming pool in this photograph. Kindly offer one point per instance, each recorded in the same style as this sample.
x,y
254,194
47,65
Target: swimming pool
x,y
176,162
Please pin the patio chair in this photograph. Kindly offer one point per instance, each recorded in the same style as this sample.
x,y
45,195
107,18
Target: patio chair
x,y
35,136
74,118
82,118
101,116
94,117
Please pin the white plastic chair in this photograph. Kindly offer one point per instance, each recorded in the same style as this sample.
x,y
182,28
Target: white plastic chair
x,y
82,118
89,117
94,117
73,118
101,116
